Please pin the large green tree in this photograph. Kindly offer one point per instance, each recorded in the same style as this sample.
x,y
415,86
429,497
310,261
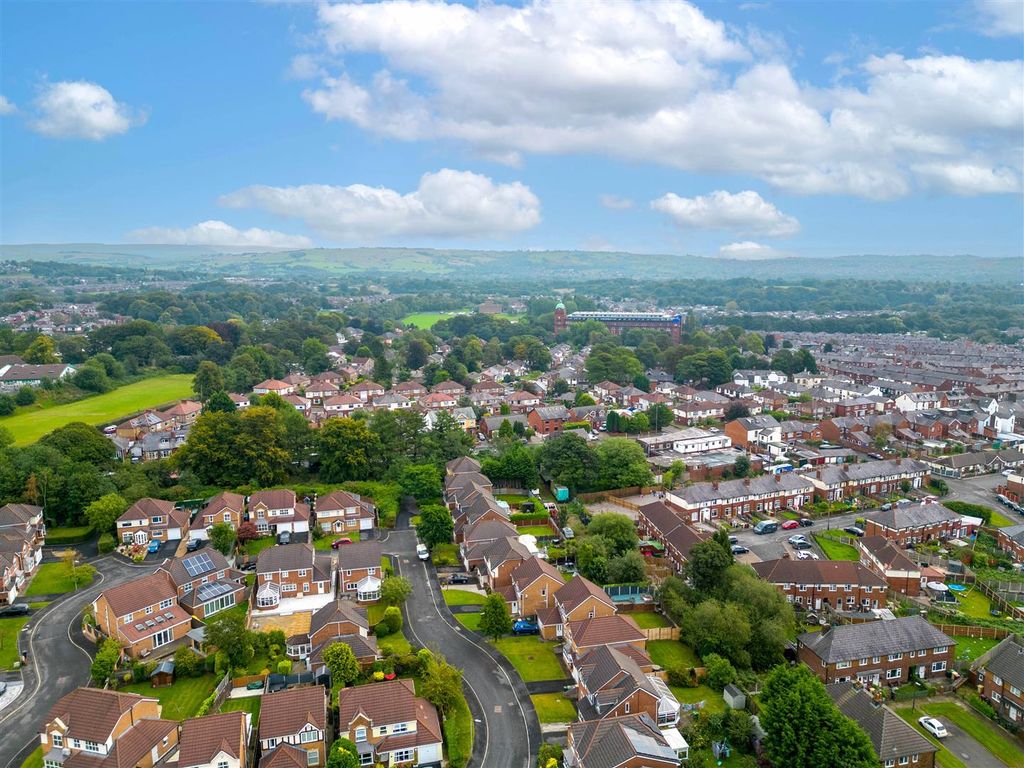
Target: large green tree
x,y
435,526
621,463
208,379
342,663
617,529
706,565
348,450
567,460
103,513
495,619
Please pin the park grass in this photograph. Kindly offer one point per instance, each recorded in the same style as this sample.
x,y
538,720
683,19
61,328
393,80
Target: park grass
x,y
57,537
992,738
553,708
324,542
970,648
672,654
835,550
458,732
469,620
533,658
974,604
35,760
944,758
649,619
250,704
31,424
462,597
52,579
426,320
179,701
9,630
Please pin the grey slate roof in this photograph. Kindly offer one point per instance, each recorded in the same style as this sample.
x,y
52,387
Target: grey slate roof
x,y
912,516
611,742
890,735
875,638
870,470
552,412
701,493
1007,662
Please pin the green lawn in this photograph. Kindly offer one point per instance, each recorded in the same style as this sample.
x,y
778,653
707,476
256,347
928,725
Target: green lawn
x,y
835,550
974,604
463,597
181,700
944,757
535,530
513,499
672,654
533,658
995,740
9,629
458,733
999,520
250,704
30,425
713,701
553,708
649,619
35,760
425,320
56,537
324,542
469,620
396,641
39,606
254,547
445,554
52,579
970,648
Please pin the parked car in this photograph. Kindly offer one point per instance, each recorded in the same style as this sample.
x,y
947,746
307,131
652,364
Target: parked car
x,y
1007,472
934,726
1003,499
153,546
15,609
790,525
805,555
284,537
853,530
796,539
255,685
340,543
805,522
459,578
802,544
766,526
733,540
248,566
194,544
525,627
422,552
886,507
739,549
568,533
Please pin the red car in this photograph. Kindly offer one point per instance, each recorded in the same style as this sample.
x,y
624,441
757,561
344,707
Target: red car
x,y
789,525
340,543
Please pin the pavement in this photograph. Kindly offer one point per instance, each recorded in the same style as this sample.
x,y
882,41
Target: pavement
x,y
771,546
59,659
507,733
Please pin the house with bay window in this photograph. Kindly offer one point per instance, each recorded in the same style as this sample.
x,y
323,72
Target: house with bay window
x,y
148,519
294,721
360,572
277,511
205,583
143,615
389,724
344,512
291,571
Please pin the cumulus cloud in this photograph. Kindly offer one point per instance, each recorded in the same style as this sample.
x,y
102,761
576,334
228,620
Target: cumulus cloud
x,y
999,18
750,251
445,204
616,203
744,212
81,110
7,107
661,82
219,233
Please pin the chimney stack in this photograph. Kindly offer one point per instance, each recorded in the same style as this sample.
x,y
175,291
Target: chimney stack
x,y
714,485
899,460
746,481
778,477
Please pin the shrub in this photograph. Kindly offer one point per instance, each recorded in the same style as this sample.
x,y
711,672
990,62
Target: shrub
x,y
720,671
393,618
547,753
204,708
378,675
187,663
681,676
284,667
106,544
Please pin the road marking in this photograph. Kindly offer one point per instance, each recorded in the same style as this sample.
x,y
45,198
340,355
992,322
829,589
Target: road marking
x,y
497,709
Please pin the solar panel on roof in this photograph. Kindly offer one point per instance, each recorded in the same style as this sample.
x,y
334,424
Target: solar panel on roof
x,y
199,564
210,591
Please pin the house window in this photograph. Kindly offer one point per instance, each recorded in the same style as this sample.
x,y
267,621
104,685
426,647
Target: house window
x,y
366,758
222,764
843,665
403,755
167,603
187,588
149,609
904,760
227,517
302,573
626,709
92,746
400,728
360,734
941,649
890,763
289,588
305,587
876,659
57,740
938,666
307,736
893,674
863,662
161,638
895,656
312,757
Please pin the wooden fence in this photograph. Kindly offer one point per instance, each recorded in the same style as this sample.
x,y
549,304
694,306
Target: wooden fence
x,y
241,682
617,493
969,630
661,633
221,692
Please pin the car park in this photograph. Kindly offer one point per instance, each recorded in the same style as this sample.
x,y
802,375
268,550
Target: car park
x,y
739,549
525,627
853,530
422,552
934,726
790,525
14,609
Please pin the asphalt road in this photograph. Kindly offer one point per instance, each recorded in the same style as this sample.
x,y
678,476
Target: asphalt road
x,y
507,733
59,659
968,749
771,546
976,490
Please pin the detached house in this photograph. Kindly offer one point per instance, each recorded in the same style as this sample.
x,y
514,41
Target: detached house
x,y
360,571
277,511
584,635
225,507
294,721
612,683
291,571
143,615
273,385
205,583
343,512
93,728
339,621
548,420
630,741
152,519
215,741
578,599
389,724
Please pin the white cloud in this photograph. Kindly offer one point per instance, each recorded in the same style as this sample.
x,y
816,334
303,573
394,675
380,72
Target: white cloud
x,y
219,233
7,107
81,110
445,204
616,203
744,212
660,82
999,18
750,251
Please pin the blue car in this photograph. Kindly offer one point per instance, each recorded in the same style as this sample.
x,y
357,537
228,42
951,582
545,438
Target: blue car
x,y
525,627
154,546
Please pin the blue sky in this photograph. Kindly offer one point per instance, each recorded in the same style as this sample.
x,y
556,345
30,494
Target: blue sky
x,y
747,130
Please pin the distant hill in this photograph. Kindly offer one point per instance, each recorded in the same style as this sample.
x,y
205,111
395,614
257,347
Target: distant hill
x,y
484,265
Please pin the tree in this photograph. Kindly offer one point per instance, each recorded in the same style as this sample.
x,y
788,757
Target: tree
x,y
592,558
348,450
609,361
421,481
720,672
103,513
222,537
567,460
659,416
627,568
706,564
227,633
796,711
716,627
495,619
25,396
208,380
247,531
442,683
341,662
42,351
617,529
584,399
736,410
220,402
92,379
671,476
435,526
187,663
78,573
7,405
395,590
621,464
393,618
314,357
105,663
343,754
741,466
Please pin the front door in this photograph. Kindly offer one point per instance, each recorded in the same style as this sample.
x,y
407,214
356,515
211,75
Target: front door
x,y
921,671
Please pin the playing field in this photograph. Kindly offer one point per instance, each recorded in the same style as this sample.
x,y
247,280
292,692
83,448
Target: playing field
x,y
30,425
427,319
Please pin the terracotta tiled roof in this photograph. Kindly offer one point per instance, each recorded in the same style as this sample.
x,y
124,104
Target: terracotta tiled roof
x,y
282,498
143,509
284,756
136,595
578,589
790,571
285,557
604,630
338,612
91,713
390,702
203,737
364,554
532,569
286,712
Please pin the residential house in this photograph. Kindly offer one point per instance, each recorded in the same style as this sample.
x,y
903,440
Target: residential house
x,y
14,377
204,582
702,502
912,523
438,401
919,401
1001,678
344,512
584,635
494,562
1011,541
451,388
152,519
389,724
366,391
489,425
342,405
273,385
94,728
534,582
875,478
578,599
632,741
319,391
143,616
834,585
410,389
360,571
611,683
522,401
393,401
183,413
895,741
295,718
659,522
225,507
754,432
548,420
478,537
878,651
277,511
22,535
889,560
800,431
291,571
215,741
340,621
698,410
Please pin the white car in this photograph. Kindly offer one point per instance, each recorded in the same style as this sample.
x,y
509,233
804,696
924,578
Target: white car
x,y
934,727
1006,472
422,552
805,555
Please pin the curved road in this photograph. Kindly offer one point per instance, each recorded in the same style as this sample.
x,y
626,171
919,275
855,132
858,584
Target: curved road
x,y
507,733
59,659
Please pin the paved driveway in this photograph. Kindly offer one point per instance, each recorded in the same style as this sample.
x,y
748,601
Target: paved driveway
x,y
59,660
966,747
507,731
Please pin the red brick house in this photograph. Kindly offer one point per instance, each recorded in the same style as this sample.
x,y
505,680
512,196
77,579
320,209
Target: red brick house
x,y
578,599
360,571
548,420
888,560
291,571
143,615
225,507
814,585
152,519
631,741
912,523
389,724
1001,678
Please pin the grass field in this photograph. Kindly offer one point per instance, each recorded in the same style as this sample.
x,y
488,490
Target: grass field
x,y
469,620
553,708
671,654
533,658
52,579
250,704
458,733
999,520
30,425
324,543
64,536
179,701
463,597
254,547
835,550
535,530
985,733
944,758
35,760
649,619
9,629
974,604
713,701
970,648
427,319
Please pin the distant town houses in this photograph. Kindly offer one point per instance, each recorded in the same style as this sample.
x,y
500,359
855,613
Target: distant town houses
x,y
22,534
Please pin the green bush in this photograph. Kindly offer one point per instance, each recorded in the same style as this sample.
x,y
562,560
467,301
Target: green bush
x,y
187,663
204,708
106,544
546,753
284,667
980,705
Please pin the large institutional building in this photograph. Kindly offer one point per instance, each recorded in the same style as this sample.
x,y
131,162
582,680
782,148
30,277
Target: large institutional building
x,y
617,322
